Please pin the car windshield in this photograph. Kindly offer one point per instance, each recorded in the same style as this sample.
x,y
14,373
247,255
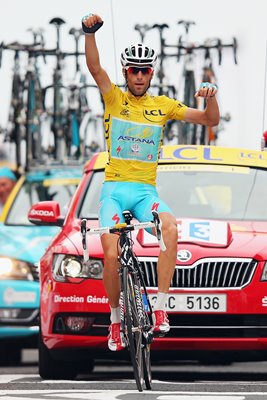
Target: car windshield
x,y
33,192
201,191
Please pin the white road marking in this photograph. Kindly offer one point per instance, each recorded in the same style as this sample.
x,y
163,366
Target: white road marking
x,y
91,394
200,397
14,378
116,394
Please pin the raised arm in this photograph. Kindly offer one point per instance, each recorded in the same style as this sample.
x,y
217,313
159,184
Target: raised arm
x,y
92,55
211,115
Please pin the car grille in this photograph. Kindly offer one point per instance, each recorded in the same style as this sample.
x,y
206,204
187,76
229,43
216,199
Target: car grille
x,y
204,273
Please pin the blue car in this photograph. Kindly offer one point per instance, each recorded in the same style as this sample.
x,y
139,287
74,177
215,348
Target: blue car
x,y
21,247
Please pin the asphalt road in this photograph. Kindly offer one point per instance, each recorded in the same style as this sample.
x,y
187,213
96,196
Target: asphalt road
x,y
176,381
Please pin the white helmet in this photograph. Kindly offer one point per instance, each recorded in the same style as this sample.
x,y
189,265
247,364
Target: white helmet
x,y
138,55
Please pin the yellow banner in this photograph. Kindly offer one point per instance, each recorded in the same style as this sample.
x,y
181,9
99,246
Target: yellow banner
x,y
185,154
213,155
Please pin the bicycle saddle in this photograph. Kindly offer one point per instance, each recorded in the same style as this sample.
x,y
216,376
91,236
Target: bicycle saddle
x,y
127,216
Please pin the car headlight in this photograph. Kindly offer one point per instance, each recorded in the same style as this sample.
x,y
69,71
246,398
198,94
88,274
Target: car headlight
x,y
72,268
10,268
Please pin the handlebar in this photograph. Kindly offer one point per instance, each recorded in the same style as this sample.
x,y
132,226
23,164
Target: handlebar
x,y
207,46
186,24
142,29
120,228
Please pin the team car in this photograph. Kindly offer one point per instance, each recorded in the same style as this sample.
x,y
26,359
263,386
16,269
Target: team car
x,y
21,246
217,304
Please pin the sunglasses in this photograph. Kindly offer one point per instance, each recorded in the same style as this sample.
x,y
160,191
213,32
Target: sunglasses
x,y
135,70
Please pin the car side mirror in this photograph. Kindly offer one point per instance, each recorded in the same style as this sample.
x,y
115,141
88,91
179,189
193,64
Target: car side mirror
x,y
46,213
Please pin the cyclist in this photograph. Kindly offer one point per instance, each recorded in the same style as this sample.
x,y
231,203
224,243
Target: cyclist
x,y
7,182
134,123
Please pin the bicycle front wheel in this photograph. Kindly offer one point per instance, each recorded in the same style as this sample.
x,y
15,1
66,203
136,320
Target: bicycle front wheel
x,y
147,366
133,328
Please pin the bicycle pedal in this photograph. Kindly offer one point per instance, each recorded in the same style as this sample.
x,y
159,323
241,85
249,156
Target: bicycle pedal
x,y
158,334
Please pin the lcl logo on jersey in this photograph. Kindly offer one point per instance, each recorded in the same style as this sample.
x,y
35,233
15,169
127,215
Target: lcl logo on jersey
x,y
184,255
153,115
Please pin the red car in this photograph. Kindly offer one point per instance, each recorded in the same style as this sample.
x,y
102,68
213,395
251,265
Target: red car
x,y
218,298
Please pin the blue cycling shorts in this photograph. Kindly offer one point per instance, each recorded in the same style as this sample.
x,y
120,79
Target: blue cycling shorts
x,y
139,198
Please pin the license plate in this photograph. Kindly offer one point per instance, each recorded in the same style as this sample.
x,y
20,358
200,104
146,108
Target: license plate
x,y
194,302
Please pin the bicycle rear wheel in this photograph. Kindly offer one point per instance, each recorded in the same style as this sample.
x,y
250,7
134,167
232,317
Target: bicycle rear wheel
x,y
133,328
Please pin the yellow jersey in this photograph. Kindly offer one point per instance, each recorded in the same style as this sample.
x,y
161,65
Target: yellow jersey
x,y
134,131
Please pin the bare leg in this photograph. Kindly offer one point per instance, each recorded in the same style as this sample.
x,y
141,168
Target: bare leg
x,y
167,259
110,273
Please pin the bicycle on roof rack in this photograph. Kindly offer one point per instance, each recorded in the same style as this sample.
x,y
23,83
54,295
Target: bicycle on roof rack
x,y
136,310
164,88
46,125
205,134
13,134
26,107
34,104
187,49
178,132
71,113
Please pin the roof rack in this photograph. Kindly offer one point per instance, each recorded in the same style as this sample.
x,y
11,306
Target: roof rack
x,y
56,164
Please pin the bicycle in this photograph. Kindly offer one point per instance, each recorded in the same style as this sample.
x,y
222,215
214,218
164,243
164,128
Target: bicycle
x,y
135,308
33,103
188,131
69,103
13,133
26,105
208,135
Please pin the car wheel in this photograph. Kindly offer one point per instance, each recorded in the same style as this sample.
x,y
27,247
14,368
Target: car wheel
x,y
50,368
10,356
